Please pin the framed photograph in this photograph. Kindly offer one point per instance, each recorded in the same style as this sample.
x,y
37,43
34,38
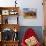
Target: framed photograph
x,y
5,12
29,13
12,12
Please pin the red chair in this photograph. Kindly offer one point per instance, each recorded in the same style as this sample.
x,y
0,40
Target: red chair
x,y
29,33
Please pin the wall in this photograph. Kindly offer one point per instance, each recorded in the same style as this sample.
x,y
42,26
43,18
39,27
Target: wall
x,y
7,3
37,4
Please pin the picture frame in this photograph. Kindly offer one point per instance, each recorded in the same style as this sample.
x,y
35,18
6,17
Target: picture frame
x,y
29,13
12,12
5,12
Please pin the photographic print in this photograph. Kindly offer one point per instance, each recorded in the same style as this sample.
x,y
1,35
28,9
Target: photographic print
x,y
29,13
5,12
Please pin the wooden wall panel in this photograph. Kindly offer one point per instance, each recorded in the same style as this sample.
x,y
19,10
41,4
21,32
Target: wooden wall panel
x,y
44,6
45,13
